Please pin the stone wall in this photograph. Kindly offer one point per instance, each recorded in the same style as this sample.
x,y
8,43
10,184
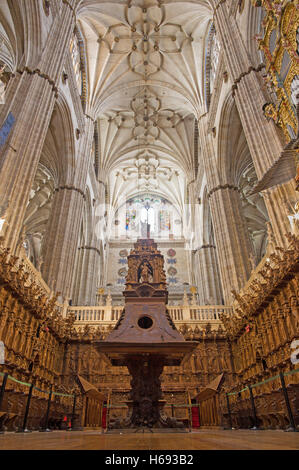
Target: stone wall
x,y
175,265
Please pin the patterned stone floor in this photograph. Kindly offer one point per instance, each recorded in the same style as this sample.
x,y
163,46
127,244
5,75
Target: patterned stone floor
x,y
200,440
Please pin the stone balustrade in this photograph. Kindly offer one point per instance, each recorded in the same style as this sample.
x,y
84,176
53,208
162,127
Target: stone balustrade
x,y
98,315
190,314
108,315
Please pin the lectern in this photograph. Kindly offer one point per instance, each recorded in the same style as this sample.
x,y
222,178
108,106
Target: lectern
x,y
145,338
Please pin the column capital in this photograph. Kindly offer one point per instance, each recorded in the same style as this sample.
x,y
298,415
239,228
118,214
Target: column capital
x,y
72,4
70,188
204,247
90,117
222,186
85,247
40,74
217,4
251,69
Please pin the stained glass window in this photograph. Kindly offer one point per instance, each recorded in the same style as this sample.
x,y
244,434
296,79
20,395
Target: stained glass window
x,y
2,82
211,62
272,41
164,220
215,49
76,58
295,90
131,219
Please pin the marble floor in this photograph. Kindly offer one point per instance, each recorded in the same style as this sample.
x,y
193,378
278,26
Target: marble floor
x,y
197,440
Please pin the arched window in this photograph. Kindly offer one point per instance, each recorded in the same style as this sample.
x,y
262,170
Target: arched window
x,y
196,147
2,353
95,149
215,49
211,62
295,91
76,58
160,214
79,64
5,74
2,84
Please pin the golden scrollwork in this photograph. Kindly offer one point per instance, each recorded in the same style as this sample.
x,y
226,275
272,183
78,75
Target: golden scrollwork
x,y
280,45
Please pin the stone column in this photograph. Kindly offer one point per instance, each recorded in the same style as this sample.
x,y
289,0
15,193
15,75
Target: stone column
x,y
231,234
263,139
208,280
30,98
89,275
89,257
203,259
61,239
232,238
78,272
60,243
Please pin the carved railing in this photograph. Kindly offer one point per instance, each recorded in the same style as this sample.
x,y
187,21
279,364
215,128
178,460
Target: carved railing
x,y
208,312
35,275
96,315
254,273
108,315
279,268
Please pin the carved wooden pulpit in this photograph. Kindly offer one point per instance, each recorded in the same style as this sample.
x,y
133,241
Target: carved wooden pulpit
x,y
145,338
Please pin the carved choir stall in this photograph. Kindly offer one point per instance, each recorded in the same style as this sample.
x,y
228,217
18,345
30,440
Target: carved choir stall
x,y
145,338
256,349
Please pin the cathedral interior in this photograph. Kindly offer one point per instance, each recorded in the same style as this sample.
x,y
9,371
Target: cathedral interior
x,y
149,176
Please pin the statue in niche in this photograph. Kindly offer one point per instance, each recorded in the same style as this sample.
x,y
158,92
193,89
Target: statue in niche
x,y
145,273
109,298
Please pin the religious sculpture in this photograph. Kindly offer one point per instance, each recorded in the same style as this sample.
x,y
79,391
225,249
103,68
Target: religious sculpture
x,y
145,273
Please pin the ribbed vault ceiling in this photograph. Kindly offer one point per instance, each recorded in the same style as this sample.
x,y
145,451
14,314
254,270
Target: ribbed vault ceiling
x,y
145,68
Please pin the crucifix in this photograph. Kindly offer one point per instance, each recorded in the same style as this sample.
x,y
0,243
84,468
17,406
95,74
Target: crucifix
x,y
147,207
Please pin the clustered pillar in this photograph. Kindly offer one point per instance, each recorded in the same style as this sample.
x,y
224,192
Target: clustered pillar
x,y
19,157
264,142
233,244
208,280
61,239
232,239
